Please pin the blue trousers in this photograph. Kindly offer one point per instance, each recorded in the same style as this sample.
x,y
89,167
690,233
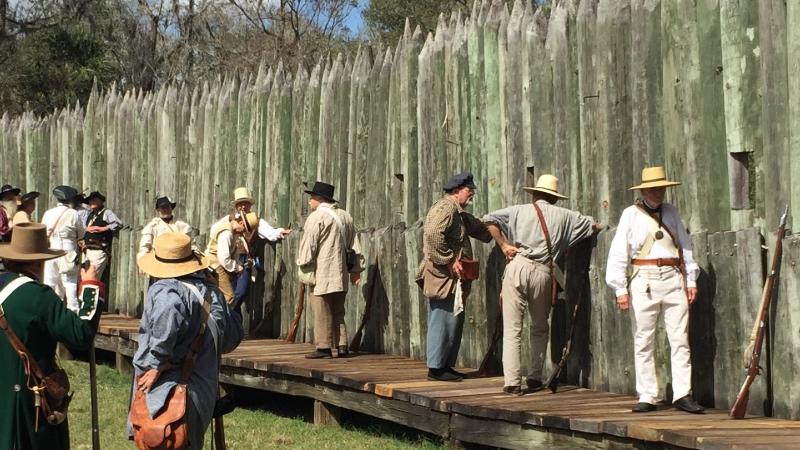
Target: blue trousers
x,y
444,333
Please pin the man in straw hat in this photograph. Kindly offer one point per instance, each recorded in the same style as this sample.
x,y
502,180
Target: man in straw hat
x,y
243,202
27,204
225,245
39,319
541,233
101,223
330,248
64,228
165,222
445,244
652,239
178,306
8,207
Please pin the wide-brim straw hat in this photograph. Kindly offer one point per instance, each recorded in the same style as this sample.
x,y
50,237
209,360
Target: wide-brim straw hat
x,y
29,242
654,177
172,257
242,194
546,184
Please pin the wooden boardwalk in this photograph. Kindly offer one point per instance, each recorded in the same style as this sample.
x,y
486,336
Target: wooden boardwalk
x,y
395,388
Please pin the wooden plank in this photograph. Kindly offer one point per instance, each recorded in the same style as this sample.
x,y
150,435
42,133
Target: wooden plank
x,y
693,438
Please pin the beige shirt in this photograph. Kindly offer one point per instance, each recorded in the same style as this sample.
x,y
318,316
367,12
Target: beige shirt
x,y
323,247
224,247
20,217
157,227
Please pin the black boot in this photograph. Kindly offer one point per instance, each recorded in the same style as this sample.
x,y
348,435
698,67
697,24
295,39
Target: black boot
x,y
442,375
643,407
688,404
319,353
341,351
533,385
456,373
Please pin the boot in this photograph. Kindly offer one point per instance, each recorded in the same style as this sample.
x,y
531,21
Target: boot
x,y
441,375
319,353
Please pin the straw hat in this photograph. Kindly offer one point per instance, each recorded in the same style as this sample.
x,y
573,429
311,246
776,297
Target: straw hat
x,y
250,221
546,184
172,257
653,177
242,194
29,243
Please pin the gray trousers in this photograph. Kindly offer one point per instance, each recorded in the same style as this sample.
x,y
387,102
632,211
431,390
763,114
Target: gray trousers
x,y
444,333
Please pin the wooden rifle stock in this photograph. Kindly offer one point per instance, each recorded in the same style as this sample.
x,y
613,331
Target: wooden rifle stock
x,y
489,366
740,406
552,381
355,342
219,434
291,336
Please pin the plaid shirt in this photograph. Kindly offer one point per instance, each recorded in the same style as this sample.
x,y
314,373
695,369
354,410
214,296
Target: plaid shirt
x,y
447,230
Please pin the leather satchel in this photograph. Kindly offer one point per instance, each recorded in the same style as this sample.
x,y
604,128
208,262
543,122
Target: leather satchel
x,y
470,269
51,392
168,429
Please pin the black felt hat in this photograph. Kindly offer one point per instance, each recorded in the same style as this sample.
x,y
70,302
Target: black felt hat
x,y
7,188
165,201
457,181
65,193
94,194
323,190
28,196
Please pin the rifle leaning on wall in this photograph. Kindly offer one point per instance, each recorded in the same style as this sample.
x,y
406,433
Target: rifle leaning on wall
x,y
291,336
355,343
489,366
552,381
757,337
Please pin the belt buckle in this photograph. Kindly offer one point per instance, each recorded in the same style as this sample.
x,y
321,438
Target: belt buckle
x,y
658,262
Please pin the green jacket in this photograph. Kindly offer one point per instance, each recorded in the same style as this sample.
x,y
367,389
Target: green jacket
x,y
39,318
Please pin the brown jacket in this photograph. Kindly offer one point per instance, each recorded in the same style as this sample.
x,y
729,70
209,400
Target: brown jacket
x,y
446,234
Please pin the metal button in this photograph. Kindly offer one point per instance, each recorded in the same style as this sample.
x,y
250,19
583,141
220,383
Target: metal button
x,y
17,388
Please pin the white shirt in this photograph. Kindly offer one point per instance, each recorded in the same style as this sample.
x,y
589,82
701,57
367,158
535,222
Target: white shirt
x,y
70,227
266,231
632,232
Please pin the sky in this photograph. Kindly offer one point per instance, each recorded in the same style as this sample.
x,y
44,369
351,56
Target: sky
x,y
354,20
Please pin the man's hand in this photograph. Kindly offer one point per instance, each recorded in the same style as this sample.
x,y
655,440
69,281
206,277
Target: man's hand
x,y
96,229
89,273
456,268
597,227
623,302
147,379
691,294
285,233
510,251
355,278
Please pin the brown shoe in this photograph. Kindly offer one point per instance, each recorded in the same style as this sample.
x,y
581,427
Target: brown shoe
x,y
319,353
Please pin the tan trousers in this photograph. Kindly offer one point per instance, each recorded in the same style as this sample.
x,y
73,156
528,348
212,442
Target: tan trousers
x,y
99,259
224,283
329,320
526,285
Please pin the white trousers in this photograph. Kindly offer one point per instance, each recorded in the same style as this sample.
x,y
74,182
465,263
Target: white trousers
x,y
99,259
526,285
65,284
653,290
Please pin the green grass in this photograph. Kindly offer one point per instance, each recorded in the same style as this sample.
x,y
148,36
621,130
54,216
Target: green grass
x,y
245,428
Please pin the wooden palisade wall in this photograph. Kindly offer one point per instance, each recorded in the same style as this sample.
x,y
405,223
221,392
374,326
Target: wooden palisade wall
x,y
592,91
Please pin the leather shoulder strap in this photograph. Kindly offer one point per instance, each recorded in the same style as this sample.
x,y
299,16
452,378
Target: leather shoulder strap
x,y
188,363
546,234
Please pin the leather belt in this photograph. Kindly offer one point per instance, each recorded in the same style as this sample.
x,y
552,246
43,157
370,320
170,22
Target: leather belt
x,y
671,262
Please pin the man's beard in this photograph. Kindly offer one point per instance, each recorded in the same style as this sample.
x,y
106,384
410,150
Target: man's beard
x,y
10,206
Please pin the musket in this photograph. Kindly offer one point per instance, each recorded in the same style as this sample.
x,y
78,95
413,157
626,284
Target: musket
x,y
219,434
740,406
93,396
355,342
489,366
552,381
291,336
